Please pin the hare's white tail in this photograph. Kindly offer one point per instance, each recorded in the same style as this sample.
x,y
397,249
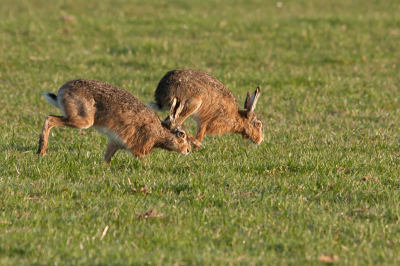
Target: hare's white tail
x,y
155,107
52,99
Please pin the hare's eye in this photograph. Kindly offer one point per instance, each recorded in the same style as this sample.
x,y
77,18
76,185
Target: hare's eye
x,y
258,124
181,134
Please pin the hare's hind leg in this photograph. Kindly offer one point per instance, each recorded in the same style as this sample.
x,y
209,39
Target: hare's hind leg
x,y
111,150
54,121
190,107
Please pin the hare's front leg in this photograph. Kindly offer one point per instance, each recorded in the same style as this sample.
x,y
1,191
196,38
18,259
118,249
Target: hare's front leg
x,y
53,121
142,148
111,150
137,154
195,142
201,131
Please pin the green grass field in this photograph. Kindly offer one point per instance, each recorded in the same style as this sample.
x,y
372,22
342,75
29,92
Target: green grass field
x,y
323,187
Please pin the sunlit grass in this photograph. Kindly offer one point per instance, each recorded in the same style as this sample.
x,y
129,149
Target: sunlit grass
x,y
325,182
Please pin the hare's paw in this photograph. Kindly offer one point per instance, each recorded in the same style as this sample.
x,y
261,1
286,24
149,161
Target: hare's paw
x,y
197,145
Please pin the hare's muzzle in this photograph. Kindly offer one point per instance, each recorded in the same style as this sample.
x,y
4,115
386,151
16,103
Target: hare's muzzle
x,y
185,152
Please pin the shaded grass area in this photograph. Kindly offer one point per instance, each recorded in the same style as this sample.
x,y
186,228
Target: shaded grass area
x,y
325,182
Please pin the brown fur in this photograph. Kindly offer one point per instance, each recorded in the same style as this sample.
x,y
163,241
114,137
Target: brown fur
x,y
210,104
127,122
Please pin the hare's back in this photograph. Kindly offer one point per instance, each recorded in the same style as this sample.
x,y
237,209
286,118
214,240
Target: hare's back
x,y
103,94
108,100
189,83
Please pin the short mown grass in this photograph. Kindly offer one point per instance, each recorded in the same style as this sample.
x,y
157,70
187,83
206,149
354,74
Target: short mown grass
x,y
323,187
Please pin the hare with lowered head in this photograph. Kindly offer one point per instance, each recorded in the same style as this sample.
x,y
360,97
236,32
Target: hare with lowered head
x,y
116,113
210,104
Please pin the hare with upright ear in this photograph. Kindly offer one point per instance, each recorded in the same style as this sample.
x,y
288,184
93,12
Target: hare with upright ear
x,y
116,113
210,104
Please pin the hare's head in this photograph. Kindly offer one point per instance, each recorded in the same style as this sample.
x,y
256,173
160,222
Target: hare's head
x,y
252,126
178,140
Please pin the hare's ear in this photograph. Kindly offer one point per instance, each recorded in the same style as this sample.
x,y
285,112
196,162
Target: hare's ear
x,y
246,102
176,109
253,100
166,123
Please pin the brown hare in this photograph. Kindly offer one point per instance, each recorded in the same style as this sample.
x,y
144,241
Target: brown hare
x,y
210,104
116,113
